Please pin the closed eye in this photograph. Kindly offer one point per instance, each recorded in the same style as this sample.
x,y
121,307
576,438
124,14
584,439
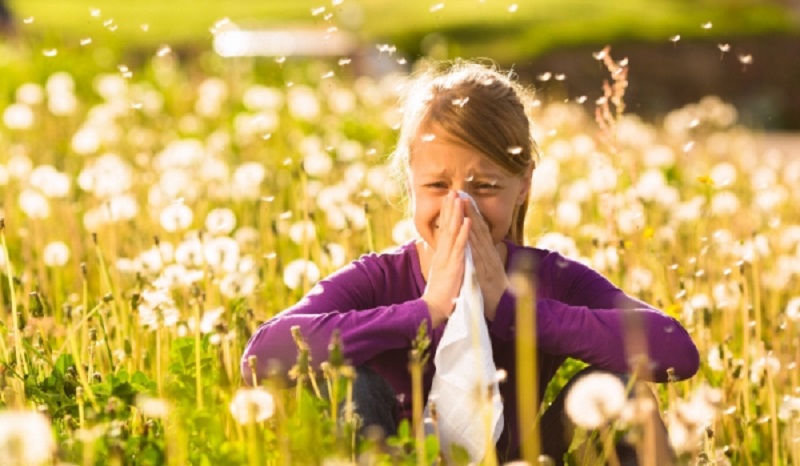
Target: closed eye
x,y
436,185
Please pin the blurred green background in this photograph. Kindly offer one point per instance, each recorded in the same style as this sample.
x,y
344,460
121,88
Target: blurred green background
x,y
745,51
503,29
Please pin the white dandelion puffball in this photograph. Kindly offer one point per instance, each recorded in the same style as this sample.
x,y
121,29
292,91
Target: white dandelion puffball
x,y
55,254
595,399
30,94
26,438
303,103
34,204
221,221
176,217
303,232
18,117
152,407
295,271
252,405
793,309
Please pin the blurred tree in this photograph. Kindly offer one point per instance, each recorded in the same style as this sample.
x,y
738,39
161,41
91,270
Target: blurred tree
x,y
6,19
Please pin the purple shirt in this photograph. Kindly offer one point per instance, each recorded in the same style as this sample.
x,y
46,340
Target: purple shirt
x,y
376,304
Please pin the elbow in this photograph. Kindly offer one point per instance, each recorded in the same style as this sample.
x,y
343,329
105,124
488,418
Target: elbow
x,y
683,363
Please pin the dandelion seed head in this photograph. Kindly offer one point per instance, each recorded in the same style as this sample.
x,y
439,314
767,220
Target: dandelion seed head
x,y
297,270
18,116
746,59
176,217
675,38
55,254
26,438
152,407
595,399
252,405
793,309
220,221
513,8
707,25
437,7
724,47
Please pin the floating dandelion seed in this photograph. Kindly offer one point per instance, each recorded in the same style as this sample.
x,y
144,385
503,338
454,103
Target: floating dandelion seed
x,y
280,60
600,55
694,123
50,52
144,27
317,11
164,50
108,22
545,76
581,99
513,8
560,77
402,61
688,146
86,41
28,20
461,102
469,178
746,59
344,61
515,150
724,47
428,137
437,7
674,39
328,75
336,2
331,29
706,25
327,17
390,49
252,405
94,12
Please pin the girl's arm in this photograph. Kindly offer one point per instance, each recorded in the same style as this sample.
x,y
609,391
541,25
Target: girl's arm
x,y
344,301
581,314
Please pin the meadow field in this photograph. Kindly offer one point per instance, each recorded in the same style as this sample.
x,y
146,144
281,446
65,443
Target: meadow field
x,y
154,213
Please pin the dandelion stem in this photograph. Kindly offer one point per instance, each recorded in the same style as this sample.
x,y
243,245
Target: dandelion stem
x,y
198,373
527,359
19,354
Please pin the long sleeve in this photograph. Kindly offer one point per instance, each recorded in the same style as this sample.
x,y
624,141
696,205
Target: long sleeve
x,y
580,314
373,303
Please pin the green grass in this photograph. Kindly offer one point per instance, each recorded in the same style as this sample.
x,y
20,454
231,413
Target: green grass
x,y
472,27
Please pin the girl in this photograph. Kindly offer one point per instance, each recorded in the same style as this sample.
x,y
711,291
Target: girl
x,y
466,129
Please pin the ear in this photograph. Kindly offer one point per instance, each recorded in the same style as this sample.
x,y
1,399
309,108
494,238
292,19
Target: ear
x,y
525,185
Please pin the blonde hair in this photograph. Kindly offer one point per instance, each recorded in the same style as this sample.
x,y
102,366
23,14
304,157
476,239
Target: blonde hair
x,y
478,106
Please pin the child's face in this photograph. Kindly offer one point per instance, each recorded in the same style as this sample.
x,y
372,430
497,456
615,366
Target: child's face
x,y
439,164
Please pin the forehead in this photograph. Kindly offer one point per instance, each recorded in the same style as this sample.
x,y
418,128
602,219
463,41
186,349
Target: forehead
x,y
436,152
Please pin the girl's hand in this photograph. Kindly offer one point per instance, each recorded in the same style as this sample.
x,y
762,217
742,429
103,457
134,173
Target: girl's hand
x,y
447,263
488,262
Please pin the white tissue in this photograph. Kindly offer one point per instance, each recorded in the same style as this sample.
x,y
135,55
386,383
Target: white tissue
x,y
465,378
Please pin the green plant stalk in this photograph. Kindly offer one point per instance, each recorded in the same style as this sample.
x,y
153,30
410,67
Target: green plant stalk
x,y
527,362
744,386
106,277
609,453
159,375
20,355
773,417
198,373
253,456
417,407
